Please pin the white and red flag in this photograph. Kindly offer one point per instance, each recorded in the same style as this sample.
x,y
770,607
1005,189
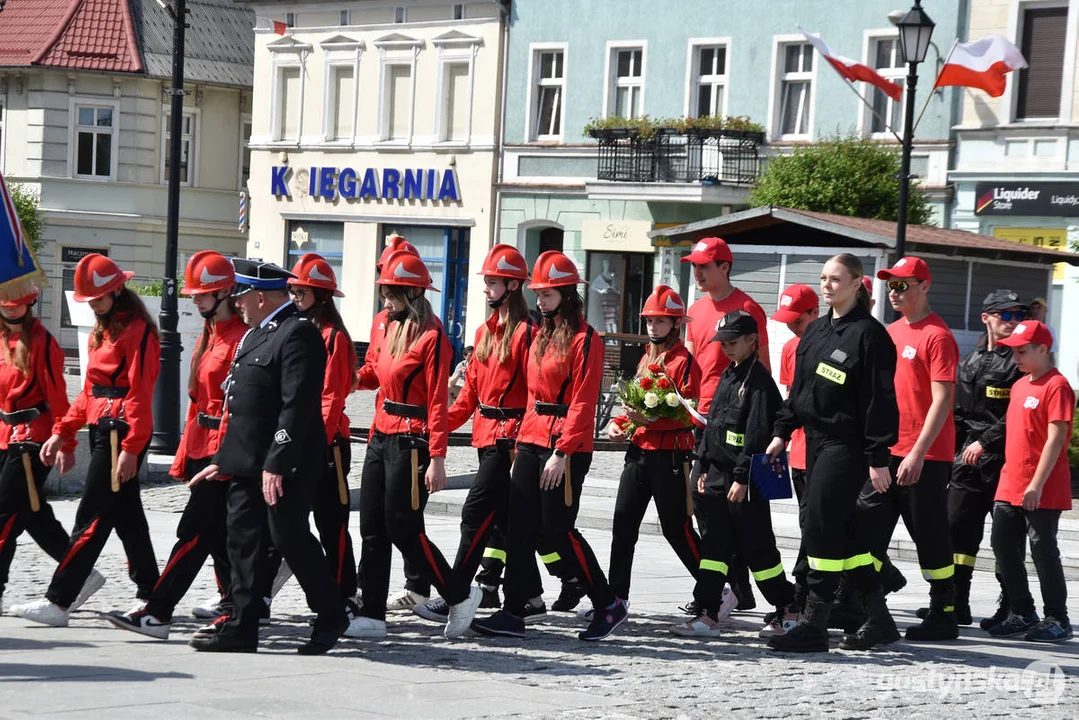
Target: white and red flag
x,y
982,64
853,70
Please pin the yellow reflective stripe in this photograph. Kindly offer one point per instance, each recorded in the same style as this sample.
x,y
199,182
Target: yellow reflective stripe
x,y
714,566
495,553
825,565
768,574
961,559
550,558
949,608
877,564
736,439
939,574
858,561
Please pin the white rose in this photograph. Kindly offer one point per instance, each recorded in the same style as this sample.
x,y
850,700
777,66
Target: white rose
x,y
672,400
651,400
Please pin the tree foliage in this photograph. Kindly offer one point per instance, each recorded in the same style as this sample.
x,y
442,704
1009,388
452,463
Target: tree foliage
x,y
841,174
27,207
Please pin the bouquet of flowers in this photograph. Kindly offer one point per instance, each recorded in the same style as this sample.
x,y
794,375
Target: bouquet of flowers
x,y
653,395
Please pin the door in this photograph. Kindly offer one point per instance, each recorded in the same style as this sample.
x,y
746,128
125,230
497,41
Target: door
x,y
456,289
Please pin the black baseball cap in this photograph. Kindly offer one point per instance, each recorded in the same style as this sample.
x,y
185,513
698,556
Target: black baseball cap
x,y
1002,300
734,325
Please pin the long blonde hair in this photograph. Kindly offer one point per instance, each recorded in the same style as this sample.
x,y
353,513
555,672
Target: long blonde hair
x,y
419,316
126,306
517,312
21,357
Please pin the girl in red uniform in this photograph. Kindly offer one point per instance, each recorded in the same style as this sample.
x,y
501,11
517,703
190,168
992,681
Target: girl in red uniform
x,y
313,290
554,446
657,462
115,402
406,452
32,391
208,278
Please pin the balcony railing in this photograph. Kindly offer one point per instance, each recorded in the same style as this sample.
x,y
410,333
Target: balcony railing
x,y
669,156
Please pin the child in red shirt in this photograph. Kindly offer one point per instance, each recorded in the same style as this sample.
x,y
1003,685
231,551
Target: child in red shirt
x,y
1035,486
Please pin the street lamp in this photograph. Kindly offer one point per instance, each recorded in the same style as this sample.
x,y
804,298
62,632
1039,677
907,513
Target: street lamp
x,y
915,36
166,435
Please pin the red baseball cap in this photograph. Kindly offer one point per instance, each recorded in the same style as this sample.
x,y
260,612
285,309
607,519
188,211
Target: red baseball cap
x,y
708,250
906,268
1028,331
794,301
867,283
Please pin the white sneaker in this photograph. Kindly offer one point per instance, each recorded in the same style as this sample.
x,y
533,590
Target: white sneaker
x,y
727,605
462,614
703,627
781,625
406,601
94,582
42,611
143,623
366,628
209,608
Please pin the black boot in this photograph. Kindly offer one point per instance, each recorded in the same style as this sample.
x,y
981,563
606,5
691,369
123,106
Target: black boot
x,y
811,633
879,627
568,599
999,616
848,613
963,575
891,580
940,622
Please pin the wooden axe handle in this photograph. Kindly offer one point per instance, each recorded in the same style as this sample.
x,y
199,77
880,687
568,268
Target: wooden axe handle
x,y
114,441
415,479
342,486
31,486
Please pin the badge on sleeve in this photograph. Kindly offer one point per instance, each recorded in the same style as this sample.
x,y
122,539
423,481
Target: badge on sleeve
x,y
281,437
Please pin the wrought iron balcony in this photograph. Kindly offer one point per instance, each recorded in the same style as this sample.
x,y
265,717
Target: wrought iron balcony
x,y
672,156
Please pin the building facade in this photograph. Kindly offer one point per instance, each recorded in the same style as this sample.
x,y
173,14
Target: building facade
x,y
84,122
374,119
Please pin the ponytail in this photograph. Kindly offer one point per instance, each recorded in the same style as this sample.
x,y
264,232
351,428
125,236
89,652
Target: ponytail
x,y
864,301
857,272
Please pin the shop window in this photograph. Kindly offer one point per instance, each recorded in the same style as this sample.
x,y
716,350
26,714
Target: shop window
x,y
619,283
325,238
1043,39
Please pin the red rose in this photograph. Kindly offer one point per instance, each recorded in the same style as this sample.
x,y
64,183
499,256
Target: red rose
x,y
654,368
663,384
646,383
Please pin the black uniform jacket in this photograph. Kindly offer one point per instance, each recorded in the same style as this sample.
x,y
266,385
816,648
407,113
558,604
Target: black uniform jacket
x,y
273,401
982,392
844,385
740,420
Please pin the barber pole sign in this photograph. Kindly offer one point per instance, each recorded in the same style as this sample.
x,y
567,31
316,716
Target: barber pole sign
x,y
243,212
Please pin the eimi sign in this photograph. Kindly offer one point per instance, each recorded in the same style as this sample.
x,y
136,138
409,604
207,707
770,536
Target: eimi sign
x,y
389,184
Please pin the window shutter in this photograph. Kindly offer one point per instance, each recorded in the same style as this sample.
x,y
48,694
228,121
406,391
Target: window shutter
x,y
1043,48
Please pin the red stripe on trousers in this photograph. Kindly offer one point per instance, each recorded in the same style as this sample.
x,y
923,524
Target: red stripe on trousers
x,y
7,530
579,552
83,539
688,528
479,533
341,554
184,550
431,559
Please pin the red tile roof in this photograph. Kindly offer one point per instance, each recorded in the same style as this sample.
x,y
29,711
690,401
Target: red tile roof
x,y
76,34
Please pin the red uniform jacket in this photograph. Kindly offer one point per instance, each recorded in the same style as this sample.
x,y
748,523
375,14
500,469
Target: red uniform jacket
x,y
337,384
495,384
131,360
419,377
573,379
665,433
365,374
198,441
43,384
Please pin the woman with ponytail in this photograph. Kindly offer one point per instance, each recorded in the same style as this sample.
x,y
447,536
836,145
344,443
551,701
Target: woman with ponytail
x,y
208,279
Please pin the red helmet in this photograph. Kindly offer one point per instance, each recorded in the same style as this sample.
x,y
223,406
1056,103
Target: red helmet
x,y
24,300
505,261
553,269
312,270
664,302
405,268
97,276
393,244
206,272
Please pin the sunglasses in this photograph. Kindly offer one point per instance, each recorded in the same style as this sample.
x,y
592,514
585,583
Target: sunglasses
x,y
901,286
1009,315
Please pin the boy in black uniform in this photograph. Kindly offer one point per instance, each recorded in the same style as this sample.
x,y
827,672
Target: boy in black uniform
x,y
733,518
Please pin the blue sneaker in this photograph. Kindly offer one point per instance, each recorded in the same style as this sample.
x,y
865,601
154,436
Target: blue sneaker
x,y
604,622
1051,630
1014,626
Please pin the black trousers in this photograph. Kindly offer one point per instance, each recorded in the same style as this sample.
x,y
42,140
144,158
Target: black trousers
x,y
331,519
801,565
199,534
970,501
924,509
745,528
648,475
540,519
835,537
387,519
1011,526
287,524
15,515
100,511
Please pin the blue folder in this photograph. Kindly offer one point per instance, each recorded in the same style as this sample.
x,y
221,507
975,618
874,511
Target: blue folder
x,y
770,480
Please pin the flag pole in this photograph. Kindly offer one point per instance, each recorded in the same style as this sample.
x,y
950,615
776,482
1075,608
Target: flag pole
x,y
874,111
929,95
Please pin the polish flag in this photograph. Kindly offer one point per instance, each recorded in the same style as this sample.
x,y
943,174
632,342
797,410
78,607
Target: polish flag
x,y
852,70
279,27
981,64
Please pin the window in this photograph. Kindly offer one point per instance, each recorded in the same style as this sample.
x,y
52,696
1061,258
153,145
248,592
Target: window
x,y
458,11
396,102
346,17
288,106
455,102
94,133
619,283
325,238
888,61
627,82
550,86
187,148
2,118
399,15
341,104
795,88
710,81
245,151
290,19
1043,39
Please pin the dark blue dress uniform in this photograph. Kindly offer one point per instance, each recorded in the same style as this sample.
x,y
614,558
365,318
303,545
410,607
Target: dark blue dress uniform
x,y
273,423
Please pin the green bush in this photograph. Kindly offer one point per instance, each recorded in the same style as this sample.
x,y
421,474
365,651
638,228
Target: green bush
x,y
1073,447
28,208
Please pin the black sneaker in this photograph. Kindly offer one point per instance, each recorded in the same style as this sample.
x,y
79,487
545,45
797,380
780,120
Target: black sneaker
x,y
572,592
208,631
141,622
692,608
436,610
604,622
1050,630
1014,626
501,624
534,612
490,598
996,618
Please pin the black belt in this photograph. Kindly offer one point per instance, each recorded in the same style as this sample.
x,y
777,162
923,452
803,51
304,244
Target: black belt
x,y
405,410
493,412
208,421
18,417
555,409
114,392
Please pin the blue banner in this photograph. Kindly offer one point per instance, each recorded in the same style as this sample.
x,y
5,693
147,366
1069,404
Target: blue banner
x,y
20,273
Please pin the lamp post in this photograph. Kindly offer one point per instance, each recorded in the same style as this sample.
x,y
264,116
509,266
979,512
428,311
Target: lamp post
x,y
166,434
915,34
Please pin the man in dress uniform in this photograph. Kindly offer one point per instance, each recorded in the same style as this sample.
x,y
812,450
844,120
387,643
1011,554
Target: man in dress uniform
x,y
271,454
